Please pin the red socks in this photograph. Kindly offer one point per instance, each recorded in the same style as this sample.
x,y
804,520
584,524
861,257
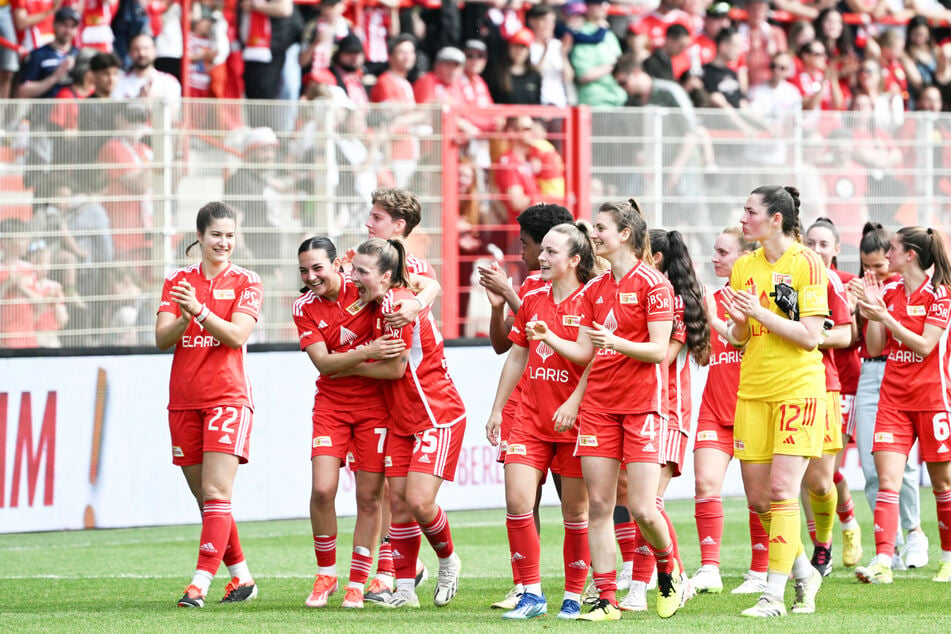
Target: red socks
x,y
759,543
944,519
525,547
384,559
709,515
577,556
606,583
438,534
216,522
886,522
325,547
405,539
360,567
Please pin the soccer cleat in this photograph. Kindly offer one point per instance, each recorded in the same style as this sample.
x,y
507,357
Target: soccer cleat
x,y
602,610
822,560
447,581
236,592
707,579
624,579
510,600
670,592
878,571
375,590
806,591
915,550
753,583
193,598
765,608
353,598
324,586
400,599
422,573
897,564
851,546
529,607
944,572
570,609
636,599
590,594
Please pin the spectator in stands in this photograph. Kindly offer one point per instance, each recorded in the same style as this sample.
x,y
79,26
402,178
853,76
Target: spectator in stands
x,y
651,29
165,20
50,311
49,223
818,81
704,46
17,282
670,61
550,56
476,91
9,60
347,67
97,113
801,32
920,59
263,53
127,196
320,34
774,106
891,44
808,11
839,42
942,74
393,87
887,106
96,32
759,41
144,80
46,70
88,222
514,80
34,21
594,63
723,84
875,148
515,176
381,22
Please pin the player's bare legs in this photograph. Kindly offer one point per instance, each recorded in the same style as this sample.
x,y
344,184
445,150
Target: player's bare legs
x,y
940,473
600,478
890,467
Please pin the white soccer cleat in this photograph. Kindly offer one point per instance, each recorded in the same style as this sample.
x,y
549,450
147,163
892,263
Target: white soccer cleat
x,y
806,591
707,579
510,600
399,599
624,579
447,581
915,550
765,608
753,583
636,599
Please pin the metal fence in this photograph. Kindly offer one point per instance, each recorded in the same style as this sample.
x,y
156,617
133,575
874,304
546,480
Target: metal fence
x,y
98,198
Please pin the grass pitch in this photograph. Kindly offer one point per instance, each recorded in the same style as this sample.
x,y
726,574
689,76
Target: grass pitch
x,y
130,579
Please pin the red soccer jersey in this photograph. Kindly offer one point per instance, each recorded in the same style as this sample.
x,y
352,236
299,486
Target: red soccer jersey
x,y
206,373
549,379
718,403
531,283
625,307
343,325
678,374
840,314
391,88
913,383
425,396
654,25
847,360
419,266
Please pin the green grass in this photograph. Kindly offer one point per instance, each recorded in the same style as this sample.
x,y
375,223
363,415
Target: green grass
x,y
129,580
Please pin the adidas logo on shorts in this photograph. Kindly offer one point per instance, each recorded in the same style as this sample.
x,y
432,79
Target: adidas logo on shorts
x,y
789,440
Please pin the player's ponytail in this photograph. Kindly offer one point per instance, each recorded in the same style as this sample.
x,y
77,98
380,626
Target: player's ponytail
x,y
215,210
390,257
678,266
929,246
784,201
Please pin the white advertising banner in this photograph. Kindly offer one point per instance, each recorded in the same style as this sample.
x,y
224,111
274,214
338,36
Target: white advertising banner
x,y
84,443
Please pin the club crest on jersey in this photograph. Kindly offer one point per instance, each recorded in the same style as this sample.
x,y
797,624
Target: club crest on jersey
x,y
323,441
387,461
588,441
915,311
739,444
356,307
782,278
883,436
544,351
708,435
571,320
223,293
177,452
347,336
516,450
627,298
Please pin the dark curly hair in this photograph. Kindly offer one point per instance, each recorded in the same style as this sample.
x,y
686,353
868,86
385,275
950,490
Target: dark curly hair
x,y
538,220
678,267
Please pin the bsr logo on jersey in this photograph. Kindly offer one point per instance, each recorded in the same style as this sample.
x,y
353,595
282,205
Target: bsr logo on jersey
x,y
251,297
658,300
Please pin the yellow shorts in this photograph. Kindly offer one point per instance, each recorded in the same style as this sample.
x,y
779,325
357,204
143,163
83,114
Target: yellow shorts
x,y
792,428
832,440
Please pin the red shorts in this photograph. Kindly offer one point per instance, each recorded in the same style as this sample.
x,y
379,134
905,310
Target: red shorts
x,y
624,437
543,455
222,429
714,435
848,421
360,432
675,448
434,451
896,430
505,429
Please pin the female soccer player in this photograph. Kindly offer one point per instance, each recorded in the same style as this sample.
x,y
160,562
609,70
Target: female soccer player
x,y
427,423
544,433
207,312
777,301
691,329
819,480
627,318
908,321
872,254
335,328
713,445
